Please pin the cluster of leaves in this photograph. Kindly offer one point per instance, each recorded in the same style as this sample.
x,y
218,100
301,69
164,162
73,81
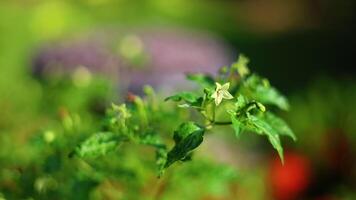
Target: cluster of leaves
x,y
234,98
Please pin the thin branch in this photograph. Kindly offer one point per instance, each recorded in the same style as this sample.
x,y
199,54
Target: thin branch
x,y
222,123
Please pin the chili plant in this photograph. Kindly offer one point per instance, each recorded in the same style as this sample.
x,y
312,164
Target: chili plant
x,y
236,98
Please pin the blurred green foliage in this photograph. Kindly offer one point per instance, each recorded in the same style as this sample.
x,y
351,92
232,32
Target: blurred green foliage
x,y
41,122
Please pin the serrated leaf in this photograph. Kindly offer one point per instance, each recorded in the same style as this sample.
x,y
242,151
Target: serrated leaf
x,y
187,137
259,89
279,125
263,127
202,79
97,145
259,125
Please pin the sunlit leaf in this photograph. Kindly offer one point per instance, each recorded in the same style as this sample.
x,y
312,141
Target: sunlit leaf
x,y
261,126
257,124
97,145
259,89
241,65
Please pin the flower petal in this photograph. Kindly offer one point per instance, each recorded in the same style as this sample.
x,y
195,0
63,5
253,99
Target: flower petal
x,y
218,100
225,86
226,95
218,86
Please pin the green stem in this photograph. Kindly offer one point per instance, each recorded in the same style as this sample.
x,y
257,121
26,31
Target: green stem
x,y
211,124
218,123
222,123
214,109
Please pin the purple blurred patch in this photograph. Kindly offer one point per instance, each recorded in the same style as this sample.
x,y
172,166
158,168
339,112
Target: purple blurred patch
x,y
169,53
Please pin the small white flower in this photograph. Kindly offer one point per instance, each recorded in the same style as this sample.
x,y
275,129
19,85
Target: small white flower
x,y
221,92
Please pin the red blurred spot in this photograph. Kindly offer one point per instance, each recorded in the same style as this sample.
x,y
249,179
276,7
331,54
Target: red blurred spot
x,y
130,97
290,180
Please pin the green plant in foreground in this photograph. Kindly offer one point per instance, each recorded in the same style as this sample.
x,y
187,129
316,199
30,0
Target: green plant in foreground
x,y
234,98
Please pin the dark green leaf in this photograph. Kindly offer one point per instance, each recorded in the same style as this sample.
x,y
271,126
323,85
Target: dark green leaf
x,y
181,150
52,163
187,137
81,189
184,130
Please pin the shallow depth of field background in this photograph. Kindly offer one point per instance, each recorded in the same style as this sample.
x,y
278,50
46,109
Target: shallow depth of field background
x,y
109,48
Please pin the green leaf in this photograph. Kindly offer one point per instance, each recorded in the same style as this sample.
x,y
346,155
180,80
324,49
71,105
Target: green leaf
x,y
236,125
259,89
185,96
184,130
261,126
117,119
239,115
241,102
181,150
202,79
97,145
241,65
271,96
150,138
187,137
161,158
279,125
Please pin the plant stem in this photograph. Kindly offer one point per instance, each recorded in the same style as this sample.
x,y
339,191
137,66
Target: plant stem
x,y
222,123
214,109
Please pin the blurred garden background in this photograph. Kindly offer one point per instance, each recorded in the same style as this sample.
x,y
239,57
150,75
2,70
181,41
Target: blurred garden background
x,y
63,62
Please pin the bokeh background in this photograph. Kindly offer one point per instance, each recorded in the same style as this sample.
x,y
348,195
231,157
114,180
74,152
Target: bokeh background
x,y
63,62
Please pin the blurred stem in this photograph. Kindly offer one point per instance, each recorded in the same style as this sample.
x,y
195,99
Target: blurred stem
x,y
214,110
222,123
162,186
